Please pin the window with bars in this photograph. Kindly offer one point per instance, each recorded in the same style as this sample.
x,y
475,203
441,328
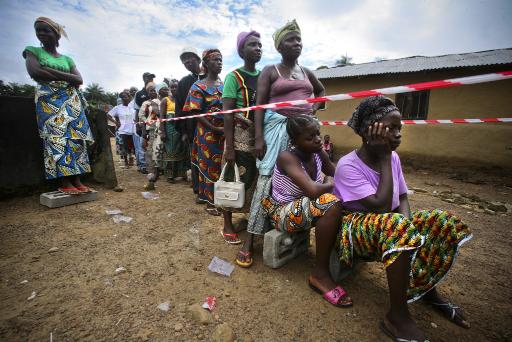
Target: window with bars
x,y
414,105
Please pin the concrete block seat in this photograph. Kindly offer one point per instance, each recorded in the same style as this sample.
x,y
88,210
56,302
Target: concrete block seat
x,y
57,199
281,247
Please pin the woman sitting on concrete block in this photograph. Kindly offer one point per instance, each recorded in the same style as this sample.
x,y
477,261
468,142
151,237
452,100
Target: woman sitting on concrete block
x,y
417,249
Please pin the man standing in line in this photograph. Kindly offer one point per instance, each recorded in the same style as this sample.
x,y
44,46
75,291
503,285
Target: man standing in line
x,y
138,99
190,59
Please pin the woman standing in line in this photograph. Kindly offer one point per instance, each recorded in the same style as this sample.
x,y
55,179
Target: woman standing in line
x,y
60,108
176,153
148,113
206,96
285,81
239,92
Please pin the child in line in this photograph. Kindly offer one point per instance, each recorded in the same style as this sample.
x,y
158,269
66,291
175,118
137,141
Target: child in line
x,y
301,198
328,147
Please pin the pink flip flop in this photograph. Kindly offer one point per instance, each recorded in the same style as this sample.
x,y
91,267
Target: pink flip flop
x,y
334,296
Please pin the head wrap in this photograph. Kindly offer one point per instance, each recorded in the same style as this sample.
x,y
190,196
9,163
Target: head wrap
x,y
278,36
150,84
59,29
369,111
160,86
207,54
191,50
242,38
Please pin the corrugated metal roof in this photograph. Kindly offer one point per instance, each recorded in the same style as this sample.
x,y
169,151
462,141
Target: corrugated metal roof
x,y
419,63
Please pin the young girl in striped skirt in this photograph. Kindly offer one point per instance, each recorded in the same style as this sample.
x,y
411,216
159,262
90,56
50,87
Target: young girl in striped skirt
x,y
301,198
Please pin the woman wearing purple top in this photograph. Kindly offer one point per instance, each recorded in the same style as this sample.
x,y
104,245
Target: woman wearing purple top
x,y
418,248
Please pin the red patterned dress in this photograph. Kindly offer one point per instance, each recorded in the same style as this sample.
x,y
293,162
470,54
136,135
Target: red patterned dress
x,y
208,145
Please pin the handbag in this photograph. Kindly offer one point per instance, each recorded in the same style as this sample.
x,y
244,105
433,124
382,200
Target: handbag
x,y
229,194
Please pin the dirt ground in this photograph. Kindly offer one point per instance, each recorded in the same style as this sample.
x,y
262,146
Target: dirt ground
x,y
79,296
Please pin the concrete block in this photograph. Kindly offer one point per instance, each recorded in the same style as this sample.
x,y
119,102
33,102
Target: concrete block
x,y
280,247
56,199
338,270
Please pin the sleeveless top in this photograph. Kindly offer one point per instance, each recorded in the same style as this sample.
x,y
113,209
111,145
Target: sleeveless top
x,y
284,89
284,190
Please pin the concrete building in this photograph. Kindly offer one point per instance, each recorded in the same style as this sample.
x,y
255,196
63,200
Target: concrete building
x,y
465,144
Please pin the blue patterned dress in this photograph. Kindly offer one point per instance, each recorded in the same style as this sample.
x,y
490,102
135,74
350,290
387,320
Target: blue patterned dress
x,y
61,120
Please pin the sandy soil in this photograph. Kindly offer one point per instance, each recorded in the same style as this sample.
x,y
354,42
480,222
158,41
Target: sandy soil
x,y
80,297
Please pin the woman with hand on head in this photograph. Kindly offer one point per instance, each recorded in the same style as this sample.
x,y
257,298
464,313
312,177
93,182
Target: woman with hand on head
x,y
60,108
205,96
417,248
285,81
302,198
239,92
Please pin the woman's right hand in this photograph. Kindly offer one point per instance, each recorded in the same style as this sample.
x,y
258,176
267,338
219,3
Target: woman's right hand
x,y
378,140
229,155
328,180
260,148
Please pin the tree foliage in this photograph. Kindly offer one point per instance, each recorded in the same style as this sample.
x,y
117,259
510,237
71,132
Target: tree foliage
x,y
344,60
16,89
96,95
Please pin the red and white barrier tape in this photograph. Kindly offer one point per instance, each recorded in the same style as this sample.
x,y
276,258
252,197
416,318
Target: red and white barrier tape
x,y
498,76
428,122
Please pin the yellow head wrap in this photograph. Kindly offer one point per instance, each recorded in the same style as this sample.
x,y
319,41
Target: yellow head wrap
x,y
58,28
278,36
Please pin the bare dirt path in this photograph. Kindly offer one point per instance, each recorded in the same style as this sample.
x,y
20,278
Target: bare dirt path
x,y
79,296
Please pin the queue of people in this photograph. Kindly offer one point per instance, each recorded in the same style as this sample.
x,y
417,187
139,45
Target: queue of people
x,y
359,206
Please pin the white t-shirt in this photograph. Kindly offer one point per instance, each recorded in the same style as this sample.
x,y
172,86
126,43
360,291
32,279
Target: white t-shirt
x,y
125,115
132,105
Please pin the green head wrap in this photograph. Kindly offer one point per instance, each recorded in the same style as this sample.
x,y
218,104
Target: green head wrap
x,y
278,36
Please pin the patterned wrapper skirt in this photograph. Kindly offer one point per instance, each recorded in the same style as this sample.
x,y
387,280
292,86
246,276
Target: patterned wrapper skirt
x,y
64,129
176,152
207,153
434,236
299,215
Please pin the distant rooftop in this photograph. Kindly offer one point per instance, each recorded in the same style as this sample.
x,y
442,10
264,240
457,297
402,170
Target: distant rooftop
x,y
419,63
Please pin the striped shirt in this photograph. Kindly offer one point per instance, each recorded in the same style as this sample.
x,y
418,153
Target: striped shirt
x,y
284,190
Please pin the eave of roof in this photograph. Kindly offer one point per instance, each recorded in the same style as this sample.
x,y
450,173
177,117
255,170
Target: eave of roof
x,y
419,63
